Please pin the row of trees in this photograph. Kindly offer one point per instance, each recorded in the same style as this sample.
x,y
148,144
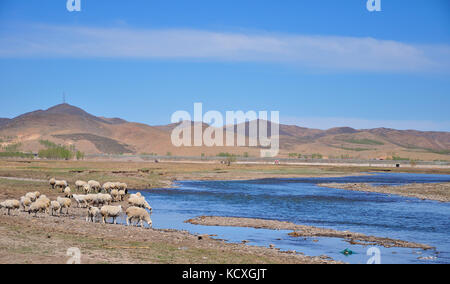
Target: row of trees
x,y
59,152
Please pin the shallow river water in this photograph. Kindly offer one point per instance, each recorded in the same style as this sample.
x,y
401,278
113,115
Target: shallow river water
x,y
301,201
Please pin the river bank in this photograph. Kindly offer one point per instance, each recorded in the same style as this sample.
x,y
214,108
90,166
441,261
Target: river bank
x,y
425,191
304,231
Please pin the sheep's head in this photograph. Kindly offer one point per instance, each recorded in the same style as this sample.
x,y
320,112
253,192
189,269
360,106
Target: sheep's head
x,y
147,206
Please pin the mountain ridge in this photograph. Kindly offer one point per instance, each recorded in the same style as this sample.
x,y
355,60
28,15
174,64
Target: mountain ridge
x,y
70,125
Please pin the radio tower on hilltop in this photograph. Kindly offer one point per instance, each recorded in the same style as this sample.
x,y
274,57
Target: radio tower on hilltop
x,y
64,97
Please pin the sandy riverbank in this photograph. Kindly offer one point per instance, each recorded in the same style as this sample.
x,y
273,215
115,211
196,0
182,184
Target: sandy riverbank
x,y
304,231
425,191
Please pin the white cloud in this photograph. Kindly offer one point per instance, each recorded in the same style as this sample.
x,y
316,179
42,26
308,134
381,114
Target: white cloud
x,y
319,52
358,123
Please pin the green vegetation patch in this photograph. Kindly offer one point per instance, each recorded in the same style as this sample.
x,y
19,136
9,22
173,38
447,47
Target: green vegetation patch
x,y
364,141
59,152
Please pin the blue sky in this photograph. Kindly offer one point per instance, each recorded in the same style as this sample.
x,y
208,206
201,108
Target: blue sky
x,y
321,63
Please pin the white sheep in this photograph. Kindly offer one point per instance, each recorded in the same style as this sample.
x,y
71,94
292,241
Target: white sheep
x,y
115,195
140,214
87,188
68,192
107,186
11,204
32,196
25,202
122,194
123,186
95,185
55,207
139,202
65,203
80,199
92,214
44,199
61,184
40,205
90,198
108,211
135,195
79,184
103,199
52,182
98,200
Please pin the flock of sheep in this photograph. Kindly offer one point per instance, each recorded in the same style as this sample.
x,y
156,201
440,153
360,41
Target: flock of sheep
x,y
96,199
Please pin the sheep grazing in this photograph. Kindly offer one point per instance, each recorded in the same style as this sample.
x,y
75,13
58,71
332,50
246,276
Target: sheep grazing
x,y
25,202
140,214
107,186
80,200
79,184
95,185
44,199
87,189
139,202
123,186
122,194
55,207
68,192
103,199
10,205
92,214
135,195
52,182
40,205
115,195
108,211
32,196
65,203
90,198
37,193
62,184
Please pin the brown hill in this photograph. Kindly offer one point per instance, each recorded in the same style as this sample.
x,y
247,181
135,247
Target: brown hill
x,y
69,125
4,121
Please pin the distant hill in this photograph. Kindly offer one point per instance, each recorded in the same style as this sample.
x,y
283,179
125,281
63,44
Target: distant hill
x,y
4,121
70,125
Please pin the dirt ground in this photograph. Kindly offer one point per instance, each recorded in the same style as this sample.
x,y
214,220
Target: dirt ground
x,y
425,191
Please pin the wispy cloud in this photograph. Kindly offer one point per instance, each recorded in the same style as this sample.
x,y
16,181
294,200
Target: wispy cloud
x,y
322,52
358,123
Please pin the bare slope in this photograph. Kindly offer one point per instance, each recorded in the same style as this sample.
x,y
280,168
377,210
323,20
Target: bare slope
x,y
71,125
